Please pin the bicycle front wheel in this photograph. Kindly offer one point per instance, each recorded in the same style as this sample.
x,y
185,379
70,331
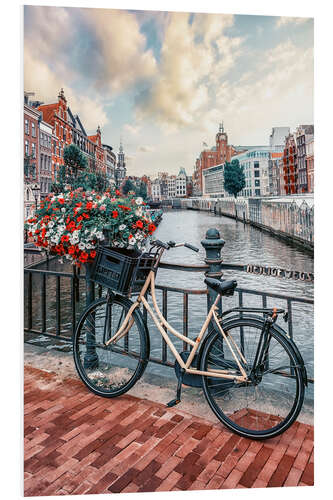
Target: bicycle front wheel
x,y
268,405
110,370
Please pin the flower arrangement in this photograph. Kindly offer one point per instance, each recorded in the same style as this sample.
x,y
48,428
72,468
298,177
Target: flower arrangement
x,y
72,224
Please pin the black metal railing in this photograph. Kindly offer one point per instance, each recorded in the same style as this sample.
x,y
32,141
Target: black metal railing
x,y
53,303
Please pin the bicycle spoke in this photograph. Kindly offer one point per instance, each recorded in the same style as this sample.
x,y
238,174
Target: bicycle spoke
x,y
268,400
109,369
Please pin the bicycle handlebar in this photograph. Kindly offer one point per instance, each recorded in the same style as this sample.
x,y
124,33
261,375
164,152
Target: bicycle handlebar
x,y
172,244
191,247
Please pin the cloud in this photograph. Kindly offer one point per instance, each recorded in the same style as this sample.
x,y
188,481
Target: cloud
x,y
283,21
146,149
39,78
131,129
123,60
270,95
101,49
193,59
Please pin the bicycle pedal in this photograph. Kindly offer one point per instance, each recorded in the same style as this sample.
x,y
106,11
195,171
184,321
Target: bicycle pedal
x,y
173,402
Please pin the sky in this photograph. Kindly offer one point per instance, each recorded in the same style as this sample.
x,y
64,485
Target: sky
x,y
161,82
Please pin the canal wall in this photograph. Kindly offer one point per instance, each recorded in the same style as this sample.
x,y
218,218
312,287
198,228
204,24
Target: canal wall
x,y
291,219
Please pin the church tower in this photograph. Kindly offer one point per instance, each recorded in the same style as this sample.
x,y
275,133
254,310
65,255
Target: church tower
x,y
120,172
222,148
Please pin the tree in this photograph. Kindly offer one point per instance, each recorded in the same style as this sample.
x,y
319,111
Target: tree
x,y
74,160
234,178
128,186
142,191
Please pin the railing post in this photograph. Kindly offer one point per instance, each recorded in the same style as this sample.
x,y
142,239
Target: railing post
x,y
213,244
90,357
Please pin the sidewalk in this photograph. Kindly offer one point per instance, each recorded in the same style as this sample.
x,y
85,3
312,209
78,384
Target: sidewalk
x,y
77,443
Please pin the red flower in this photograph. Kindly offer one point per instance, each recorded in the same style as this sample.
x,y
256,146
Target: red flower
x,y
79,218
117,192
89,205
71,249
139,223
61,201
151,228
114,214
86,216
93,254
83,257
64,238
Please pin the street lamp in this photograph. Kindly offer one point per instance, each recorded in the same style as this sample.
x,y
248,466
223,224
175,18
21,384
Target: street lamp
x,y
35,190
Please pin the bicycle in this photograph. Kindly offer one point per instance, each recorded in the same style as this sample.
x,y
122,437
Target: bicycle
x,y
252,374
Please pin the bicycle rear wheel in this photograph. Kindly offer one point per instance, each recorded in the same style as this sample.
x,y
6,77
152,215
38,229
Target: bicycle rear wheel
x,y
110,370
261,409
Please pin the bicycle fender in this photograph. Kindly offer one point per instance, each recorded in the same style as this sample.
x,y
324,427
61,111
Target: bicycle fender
x,y
278,329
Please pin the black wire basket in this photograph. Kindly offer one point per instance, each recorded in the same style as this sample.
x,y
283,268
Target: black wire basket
x,y
146,264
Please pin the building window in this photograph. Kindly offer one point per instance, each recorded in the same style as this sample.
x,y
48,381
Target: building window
x,y
33,150
257,192
256,164
33,130
26,126
26,148
257,183
256,173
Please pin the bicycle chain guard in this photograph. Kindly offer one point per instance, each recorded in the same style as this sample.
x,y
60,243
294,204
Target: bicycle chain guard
x,y
196,380
188,378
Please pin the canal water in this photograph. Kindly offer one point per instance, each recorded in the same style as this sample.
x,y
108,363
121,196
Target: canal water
x,y
243,245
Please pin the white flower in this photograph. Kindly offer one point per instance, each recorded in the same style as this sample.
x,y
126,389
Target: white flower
x,y
63,209
51,223
122,227
138,212
100,235
89,246
81,246
132,241
74,239
139,201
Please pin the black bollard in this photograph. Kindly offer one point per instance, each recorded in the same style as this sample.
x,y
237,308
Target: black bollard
x,y
213,245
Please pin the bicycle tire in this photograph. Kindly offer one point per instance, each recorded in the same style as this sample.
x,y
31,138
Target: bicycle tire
x,y
103,376
242,408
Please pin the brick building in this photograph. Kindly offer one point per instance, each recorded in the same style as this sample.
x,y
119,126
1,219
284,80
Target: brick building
x,y
304,134
310,163
31,119
290,176
31,143
217,155
67,129
110,161
45,158
99,161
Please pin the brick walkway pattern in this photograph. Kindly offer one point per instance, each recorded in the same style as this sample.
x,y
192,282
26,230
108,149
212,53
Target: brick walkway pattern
x,y
77,443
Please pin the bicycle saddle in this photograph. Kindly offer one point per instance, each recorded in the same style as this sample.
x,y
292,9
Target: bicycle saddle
x,y
223,287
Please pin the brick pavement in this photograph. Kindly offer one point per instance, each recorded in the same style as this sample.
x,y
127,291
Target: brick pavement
x,y
78,443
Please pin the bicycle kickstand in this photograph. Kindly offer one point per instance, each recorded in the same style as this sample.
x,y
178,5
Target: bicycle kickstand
x,y
176,401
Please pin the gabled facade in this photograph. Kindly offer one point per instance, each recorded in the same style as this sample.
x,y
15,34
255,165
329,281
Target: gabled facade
x,y
67,129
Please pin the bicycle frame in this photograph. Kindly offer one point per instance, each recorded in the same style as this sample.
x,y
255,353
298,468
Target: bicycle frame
x,y
163,326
